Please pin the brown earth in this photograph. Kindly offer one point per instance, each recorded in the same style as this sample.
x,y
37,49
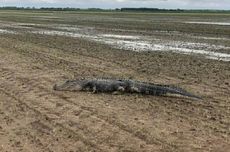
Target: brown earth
x,y
36,118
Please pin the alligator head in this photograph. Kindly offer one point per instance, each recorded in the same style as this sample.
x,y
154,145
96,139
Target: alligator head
x,y
70,85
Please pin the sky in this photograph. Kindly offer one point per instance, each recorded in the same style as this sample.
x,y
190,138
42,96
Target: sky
x,y
168,4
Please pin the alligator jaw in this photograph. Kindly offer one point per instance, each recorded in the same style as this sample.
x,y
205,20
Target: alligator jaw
x,y
67,88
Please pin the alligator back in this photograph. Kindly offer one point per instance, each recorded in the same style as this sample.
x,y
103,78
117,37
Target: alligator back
x,y
105,85
94,85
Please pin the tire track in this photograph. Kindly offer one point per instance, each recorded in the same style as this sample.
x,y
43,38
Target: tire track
x,y
20,118
44,117
39,133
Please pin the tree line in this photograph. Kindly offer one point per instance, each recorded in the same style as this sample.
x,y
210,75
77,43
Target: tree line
x,y
157,10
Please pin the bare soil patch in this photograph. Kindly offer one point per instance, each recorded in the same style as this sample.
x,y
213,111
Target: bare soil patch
x,y
36,118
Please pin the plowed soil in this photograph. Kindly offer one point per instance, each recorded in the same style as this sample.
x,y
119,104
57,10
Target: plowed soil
x,y
36,118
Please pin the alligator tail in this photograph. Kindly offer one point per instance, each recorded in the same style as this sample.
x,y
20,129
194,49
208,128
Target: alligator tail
x,y
180,91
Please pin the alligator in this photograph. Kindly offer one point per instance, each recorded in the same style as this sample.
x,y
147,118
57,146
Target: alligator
x,y
115,86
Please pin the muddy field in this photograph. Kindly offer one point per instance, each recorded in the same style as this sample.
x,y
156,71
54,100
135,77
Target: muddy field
x,y
39,49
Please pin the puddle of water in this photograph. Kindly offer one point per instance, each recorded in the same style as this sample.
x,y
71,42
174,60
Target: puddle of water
x,y
15,25
127,42
59,33
147,46
207,54
210,23
120,36
89,30
199,46
26,24
210,38
69,28
6,31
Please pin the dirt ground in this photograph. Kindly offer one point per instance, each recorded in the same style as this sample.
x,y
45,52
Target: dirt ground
x,y
36,118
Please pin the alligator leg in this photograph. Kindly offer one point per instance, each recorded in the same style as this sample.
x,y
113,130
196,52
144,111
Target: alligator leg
x,y
119,90
134,89
94,89
116,93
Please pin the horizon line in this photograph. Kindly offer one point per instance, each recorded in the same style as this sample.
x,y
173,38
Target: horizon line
x,y
35,7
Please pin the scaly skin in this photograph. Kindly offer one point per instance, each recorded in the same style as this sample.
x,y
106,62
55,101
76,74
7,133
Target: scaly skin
x,y
156,89
121,85
95,85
